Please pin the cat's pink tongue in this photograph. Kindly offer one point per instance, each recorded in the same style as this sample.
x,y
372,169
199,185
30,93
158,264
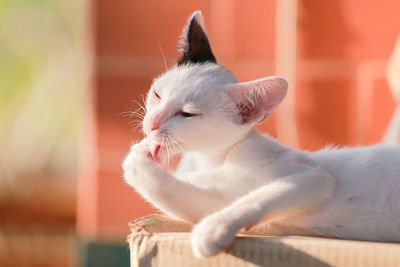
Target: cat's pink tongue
x,y
154,149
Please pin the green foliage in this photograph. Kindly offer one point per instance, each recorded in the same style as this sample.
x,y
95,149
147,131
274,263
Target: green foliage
x,y
44,68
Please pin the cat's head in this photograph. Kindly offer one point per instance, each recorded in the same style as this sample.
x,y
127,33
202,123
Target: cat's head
x,y
199,105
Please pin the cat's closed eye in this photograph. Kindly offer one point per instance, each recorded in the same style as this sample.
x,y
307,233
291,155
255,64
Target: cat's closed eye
x,y
156,94
186,114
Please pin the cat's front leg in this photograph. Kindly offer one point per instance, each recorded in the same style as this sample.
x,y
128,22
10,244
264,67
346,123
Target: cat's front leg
x,y
174,197
213,234
135,164
295,195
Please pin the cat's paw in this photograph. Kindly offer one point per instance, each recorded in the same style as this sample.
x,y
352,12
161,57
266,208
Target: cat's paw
x,y
138,157
211,236
140,150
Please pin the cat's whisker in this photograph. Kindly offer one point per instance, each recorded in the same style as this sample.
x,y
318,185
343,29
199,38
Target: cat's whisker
x,y
164,151
143,100
134,121
137,120
174,143
139,104
137,126
139,113
168,155
125,113
171,142
163,154
182,150
136,113
184,141
163,56
171,145
141,109
128,114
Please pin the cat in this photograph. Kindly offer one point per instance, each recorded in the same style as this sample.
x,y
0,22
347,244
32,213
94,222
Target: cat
x,y
231,177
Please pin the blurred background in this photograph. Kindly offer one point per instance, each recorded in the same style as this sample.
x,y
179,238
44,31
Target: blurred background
x,y
70,69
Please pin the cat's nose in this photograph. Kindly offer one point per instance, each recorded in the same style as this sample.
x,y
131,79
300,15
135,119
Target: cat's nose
x,y
150,125
153,127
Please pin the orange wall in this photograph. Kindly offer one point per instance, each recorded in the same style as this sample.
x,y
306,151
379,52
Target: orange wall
x,y
342,45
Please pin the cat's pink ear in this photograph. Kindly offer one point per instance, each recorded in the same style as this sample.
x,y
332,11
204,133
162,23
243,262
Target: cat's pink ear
x,y
194,46
256,100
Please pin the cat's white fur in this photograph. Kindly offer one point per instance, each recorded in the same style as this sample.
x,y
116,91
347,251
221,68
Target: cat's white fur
x,y
230,176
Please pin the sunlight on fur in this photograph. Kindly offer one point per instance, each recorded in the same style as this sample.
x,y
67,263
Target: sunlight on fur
x,y
231,176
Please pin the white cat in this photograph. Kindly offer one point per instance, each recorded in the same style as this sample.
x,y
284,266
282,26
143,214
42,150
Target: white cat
x,y
230,176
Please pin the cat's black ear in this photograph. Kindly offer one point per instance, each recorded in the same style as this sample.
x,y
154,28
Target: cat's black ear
x,y
194,45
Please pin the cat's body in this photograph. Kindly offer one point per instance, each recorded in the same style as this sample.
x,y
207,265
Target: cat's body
x,y
230,176
351,212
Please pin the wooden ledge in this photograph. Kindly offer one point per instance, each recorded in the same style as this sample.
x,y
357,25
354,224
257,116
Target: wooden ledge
x,y
159,241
